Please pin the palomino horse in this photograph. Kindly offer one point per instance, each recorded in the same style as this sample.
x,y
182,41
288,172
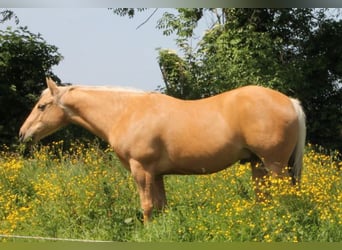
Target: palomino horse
x,y
155,134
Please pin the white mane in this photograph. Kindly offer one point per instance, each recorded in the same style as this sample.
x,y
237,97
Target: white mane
x,y
103,88
109,88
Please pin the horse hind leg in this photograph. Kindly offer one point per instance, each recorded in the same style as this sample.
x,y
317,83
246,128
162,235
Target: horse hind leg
x,y
264,169
277,168
259,174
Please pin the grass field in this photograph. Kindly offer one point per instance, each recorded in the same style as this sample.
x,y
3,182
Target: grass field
x,y
84,193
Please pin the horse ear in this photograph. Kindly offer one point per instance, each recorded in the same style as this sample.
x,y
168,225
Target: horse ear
x,y
52,86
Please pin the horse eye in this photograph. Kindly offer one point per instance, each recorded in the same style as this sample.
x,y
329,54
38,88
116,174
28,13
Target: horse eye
x,y
41,107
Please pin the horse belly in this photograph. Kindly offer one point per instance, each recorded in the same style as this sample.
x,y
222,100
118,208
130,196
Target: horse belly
x,y
205,161
200,142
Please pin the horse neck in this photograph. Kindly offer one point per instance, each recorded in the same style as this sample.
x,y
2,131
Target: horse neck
x,y
95,110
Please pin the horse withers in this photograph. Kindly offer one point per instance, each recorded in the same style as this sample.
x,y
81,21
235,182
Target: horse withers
x,y
154,134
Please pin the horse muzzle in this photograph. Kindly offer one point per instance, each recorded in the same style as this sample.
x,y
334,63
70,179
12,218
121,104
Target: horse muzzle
x,y
25,137
22,137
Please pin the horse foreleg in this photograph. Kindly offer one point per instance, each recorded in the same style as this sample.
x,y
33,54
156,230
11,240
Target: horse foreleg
x,y
159,193
145,183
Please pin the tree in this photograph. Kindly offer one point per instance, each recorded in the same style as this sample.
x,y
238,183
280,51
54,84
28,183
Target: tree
x,y
321,89
25,60
244,46
296,51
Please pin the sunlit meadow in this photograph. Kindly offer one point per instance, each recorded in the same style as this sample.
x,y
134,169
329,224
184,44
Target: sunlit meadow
x,y
84,193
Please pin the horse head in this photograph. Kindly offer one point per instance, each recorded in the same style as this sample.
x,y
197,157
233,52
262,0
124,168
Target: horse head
x,y
46,117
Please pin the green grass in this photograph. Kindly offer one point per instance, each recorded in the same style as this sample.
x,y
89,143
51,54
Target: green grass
x,y
84,193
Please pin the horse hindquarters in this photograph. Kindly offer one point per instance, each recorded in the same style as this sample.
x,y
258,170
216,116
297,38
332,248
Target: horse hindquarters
x,y
274,131
290,149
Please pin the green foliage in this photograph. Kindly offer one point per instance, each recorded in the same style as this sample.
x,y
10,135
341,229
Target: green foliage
x,y
25,60
321,88
130,12
7,15
86,194
243,46
177,75
183,24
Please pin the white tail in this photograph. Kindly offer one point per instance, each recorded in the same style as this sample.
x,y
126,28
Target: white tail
x,y
296,161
